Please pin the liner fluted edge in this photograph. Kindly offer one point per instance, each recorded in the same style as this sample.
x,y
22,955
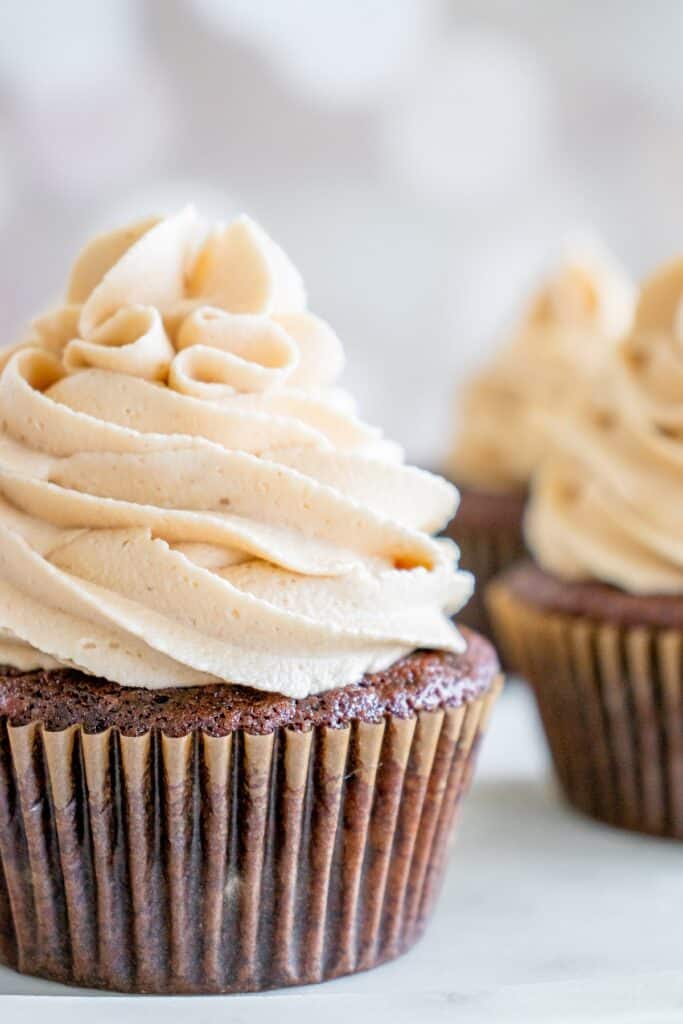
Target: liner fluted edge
x,y
226,864
611,703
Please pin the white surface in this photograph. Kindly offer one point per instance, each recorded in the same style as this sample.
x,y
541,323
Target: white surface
x,y
545,916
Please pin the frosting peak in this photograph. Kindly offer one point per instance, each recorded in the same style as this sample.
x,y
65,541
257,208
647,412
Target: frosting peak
x,y
571,323
605,502
187,497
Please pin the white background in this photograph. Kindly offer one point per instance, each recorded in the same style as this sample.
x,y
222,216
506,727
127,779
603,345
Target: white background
x,y
420,159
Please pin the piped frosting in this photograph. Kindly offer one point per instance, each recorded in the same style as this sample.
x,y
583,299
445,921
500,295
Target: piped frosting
x,y
606,501
187,497
567,331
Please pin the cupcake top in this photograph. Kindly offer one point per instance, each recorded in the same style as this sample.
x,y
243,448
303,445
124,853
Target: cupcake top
x,y
185,495
556,350
605,504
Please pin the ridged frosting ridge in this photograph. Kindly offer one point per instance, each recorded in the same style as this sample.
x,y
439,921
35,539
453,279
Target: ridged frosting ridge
x,y
186,496
568,330
606,501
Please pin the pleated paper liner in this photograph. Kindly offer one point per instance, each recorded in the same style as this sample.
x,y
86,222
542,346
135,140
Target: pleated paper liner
x,y
227,864
611,702
484,552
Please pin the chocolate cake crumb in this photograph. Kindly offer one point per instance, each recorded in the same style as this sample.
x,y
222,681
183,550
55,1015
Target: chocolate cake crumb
x,y
482,510
591,599
422,681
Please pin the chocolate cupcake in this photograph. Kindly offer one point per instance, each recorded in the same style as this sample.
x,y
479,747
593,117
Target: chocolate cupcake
x,y
236,719
571,324
597,623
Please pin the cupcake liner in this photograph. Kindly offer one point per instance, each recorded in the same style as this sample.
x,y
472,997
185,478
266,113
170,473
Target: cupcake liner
x,y
611,702
226,864
484,552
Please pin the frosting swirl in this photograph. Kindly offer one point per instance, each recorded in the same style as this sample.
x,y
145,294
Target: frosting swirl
x,y
186,497
605,503
565,334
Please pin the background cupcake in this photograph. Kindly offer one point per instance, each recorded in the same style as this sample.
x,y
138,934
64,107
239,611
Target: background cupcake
x,y
554,354
597,623
215,582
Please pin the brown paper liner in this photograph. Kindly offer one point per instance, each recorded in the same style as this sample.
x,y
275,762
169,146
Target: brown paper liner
x,y
229,864
485,553
611,702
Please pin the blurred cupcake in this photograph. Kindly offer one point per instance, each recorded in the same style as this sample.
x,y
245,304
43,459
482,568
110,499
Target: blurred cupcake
x,y
557,349
236,720
596,623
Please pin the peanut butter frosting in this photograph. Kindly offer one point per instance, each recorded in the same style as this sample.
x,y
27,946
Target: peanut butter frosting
x,y
557,349
187,497
605,504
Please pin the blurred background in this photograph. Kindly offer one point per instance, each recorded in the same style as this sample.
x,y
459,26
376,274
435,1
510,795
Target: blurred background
x,y
420,160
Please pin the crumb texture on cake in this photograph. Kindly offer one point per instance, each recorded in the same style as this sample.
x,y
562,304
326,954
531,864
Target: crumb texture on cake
x,y
423,681
592,599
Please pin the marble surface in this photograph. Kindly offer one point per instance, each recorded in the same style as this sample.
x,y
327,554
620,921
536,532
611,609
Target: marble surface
x,y
545,916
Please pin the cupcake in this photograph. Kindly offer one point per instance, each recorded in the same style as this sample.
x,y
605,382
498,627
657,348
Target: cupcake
x,y
236,720
570,325
596,621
